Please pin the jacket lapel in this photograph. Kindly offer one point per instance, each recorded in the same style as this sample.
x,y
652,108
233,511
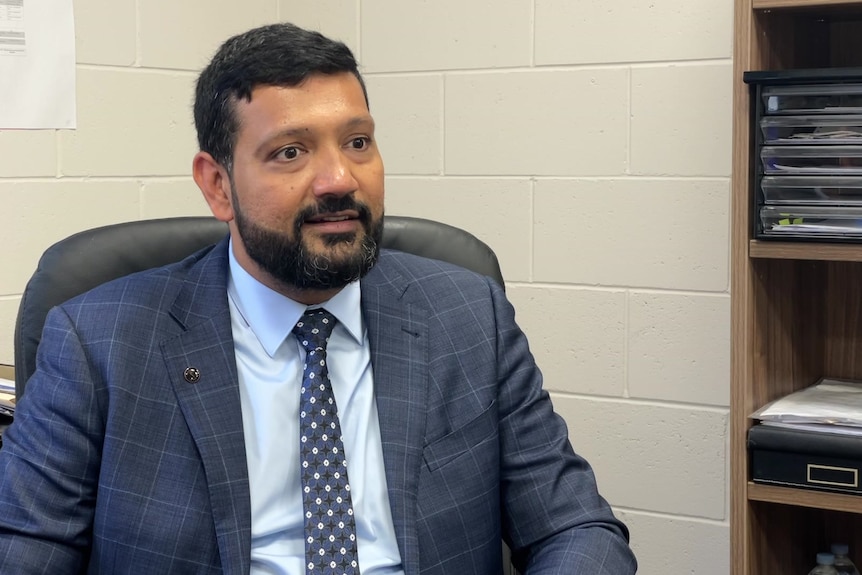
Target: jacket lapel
x,y
202,367
398,336
209,400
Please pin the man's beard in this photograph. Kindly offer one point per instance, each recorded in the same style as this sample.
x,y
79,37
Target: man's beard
x,y
288,260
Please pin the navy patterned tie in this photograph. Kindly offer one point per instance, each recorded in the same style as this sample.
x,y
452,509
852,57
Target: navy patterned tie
x,y
330,530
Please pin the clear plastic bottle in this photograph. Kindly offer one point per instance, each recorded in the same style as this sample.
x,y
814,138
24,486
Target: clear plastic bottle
x,y
825,565
843,564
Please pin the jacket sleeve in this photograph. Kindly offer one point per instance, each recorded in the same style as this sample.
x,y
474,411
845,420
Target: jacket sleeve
x,y
554,519
49,462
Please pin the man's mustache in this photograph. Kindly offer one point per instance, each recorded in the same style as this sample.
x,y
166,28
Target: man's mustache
x,y
330,205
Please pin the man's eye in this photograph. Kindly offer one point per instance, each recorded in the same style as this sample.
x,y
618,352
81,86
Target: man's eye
x,y
359,143
289,153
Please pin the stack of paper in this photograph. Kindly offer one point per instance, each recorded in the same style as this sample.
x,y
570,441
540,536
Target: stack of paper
x,y
7,405
830,406
7,398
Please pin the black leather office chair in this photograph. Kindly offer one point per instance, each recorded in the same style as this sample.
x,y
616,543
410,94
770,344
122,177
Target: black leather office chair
x,y
89,258
92,257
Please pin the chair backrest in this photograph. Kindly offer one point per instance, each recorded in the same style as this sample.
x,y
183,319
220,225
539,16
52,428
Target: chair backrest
x,y
93,257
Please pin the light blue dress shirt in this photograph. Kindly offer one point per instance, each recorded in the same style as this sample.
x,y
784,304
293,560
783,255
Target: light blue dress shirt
x,y
269,364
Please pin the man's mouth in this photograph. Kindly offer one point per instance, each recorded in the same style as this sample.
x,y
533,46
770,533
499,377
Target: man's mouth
x,y
330,218
346,222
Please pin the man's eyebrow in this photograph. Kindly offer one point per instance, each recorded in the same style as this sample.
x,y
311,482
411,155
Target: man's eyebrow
x,y
360,121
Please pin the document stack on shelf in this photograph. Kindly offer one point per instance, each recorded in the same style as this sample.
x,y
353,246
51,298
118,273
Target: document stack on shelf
x,y
7,405
808,135
811,438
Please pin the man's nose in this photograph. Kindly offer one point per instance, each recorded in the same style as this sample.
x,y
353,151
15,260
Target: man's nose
x,y
333,174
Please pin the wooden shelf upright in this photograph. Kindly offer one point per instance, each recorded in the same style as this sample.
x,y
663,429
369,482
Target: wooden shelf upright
x,y
796,308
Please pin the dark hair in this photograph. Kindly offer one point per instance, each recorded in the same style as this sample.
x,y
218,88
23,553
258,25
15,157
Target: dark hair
x,y
274,55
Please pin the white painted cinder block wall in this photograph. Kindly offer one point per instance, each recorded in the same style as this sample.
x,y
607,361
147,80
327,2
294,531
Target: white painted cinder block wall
x,y
587,142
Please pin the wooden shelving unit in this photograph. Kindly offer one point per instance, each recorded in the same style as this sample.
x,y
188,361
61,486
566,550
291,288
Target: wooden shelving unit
x,y
805,251
804,498
796,307
798,4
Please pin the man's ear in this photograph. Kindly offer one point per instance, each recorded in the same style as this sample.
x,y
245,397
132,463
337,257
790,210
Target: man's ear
x,y
212,178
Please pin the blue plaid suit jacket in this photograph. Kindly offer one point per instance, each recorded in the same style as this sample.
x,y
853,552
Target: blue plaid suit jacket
x,y
116,464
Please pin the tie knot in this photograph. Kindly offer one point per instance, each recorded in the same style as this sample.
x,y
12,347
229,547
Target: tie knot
x,y
314,328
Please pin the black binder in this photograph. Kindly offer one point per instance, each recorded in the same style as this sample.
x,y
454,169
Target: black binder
x,y
807,459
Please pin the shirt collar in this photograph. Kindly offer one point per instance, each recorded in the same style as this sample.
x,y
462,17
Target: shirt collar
x,y
271,316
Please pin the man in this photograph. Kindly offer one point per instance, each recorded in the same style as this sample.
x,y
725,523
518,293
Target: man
x,y
292,400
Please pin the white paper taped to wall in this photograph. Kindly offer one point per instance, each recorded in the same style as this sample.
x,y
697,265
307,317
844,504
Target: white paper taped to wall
x,y
13,40
37,64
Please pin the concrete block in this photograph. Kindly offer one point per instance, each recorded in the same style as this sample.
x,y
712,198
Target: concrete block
x,y
28,153
670,234
679,347
8,313
184,35
576,335
666,544
408,113
336,19
657,458
597,32
105,32
42,213
681,120
130,123
538,123
170,199
414,35
492,210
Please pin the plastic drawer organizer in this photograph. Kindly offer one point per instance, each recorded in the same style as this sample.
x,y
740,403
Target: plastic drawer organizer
x,y
808,182
822,221
815,191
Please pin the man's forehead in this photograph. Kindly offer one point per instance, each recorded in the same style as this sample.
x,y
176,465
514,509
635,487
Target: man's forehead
x,y
321,95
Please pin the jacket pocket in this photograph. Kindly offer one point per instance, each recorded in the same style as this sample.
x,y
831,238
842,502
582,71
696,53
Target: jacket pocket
x,y
450,447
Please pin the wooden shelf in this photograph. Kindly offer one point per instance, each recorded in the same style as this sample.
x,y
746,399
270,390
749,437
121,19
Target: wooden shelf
x,y
775,4
805,251
795,309
805,498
